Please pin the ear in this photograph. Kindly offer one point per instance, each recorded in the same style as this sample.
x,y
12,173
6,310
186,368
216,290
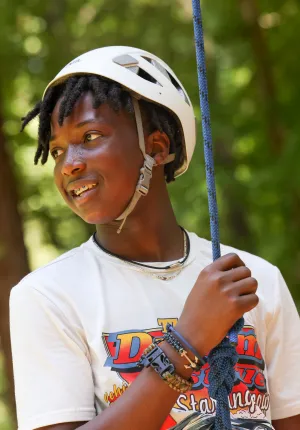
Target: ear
x,y
158,146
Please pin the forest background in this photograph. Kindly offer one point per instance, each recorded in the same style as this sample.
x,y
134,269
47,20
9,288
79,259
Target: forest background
x,y
254,88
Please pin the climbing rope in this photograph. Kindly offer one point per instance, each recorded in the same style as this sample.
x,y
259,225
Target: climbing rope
x,y
222,358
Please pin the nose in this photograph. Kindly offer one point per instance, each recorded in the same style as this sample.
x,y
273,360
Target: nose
x,y
70,169
72,164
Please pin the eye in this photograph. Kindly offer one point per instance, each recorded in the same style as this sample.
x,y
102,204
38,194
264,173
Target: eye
x,y
89,137
56,153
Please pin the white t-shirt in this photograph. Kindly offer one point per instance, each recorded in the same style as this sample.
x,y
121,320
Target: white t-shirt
x,y
80,324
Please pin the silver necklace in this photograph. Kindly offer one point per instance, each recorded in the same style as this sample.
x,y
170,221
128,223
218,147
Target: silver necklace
x,y
162,273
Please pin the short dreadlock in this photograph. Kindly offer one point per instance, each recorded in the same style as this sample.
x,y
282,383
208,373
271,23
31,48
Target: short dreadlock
x,y
104,91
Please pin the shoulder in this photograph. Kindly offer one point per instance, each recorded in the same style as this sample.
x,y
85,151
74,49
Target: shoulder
x,y
258,265
271,285
267,274
66,270
254,262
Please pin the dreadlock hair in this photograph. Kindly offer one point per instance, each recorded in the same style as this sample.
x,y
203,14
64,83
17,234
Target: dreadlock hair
x,y
104,91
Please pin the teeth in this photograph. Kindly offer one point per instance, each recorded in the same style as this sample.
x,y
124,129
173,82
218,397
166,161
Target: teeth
x,y
80,190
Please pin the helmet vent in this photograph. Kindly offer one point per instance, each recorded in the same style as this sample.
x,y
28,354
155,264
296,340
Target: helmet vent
x,y
132,64
178,88
125,60
157,66
134,69
170,77
142,74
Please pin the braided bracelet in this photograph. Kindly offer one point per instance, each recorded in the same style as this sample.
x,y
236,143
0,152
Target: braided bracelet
x,y
198,358
171,340
155,357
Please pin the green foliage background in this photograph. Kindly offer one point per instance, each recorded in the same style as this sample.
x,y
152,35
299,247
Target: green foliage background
x,y
253,71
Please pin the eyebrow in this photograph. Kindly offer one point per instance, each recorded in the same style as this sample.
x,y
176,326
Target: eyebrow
x,y
80,124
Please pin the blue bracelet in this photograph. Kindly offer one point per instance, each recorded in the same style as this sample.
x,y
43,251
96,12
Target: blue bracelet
x,y
198,358
174,342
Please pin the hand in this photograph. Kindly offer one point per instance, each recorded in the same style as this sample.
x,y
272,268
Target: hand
x,y
223,292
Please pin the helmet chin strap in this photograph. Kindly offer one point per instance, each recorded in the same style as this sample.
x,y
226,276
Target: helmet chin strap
x,y
143,184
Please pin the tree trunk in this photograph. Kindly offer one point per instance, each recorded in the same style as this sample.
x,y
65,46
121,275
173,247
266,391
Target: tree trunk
x,y
250,15
235,200
13,257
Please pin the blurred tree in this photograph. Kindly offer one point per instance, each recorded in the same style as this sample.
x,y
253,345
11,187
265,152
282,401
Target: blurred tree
x,y
13,258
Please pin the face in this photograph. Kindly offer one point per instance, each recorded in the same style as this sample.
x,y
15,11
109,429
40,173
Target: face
x,y
97,160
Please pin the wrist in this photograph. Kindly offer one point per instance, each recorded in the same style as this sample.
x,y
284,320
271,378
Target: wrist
x,y
200,347
154,357
178,361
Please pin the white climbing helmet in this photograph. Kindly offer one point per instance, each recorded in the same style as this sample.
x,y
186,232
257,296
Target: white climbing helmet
x,y
136,69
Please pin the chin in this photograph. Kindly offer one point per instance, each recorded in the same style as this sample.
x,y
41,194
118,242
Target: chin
x,y
96,218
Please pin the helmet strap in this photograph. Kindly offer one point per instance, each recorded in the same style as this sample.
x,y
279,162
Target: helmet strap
x,y
143,184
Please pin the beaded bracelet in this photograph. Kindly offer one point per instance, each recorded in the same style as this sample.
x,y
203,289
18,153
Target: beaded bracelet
x,y
171,340
198,358
155,357
178,383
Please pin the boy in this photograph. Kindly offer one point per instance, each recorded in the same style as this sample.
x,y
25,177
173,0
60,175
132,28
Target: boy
x,y
120,125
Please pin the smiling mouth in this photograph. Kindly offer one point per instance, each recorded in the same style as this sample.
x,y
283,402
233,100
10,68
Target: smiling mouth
x,y
79,192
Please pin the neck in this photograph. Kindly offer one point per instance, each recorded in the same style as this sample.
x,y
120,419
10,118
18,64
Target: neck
x,y
151,232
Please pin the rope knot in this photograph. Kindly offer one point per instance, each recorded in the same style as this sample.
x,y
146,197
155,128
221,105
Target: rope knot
x,y
222,361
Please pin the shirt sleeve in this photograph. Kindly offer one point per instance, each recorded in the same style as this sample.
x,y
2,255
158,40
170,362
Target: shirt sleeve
x,y
52,373
283,354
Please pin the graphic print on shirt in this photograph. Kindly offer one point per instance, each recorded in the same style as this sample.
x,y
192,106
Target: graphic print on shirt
x,y
249,398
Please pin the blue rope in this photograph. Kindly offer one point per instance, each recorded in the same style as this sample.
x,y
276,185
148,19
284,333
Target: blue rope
x,y
223,358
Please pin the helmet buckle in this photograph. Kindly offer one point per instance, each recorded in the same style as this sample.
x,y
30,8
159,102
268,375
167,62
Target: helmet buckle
x,y
146,175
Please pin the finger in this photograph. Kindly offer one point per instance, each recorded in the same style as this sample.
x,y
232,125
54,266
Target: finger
x,y
227,262
237,274
244,287
248,302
